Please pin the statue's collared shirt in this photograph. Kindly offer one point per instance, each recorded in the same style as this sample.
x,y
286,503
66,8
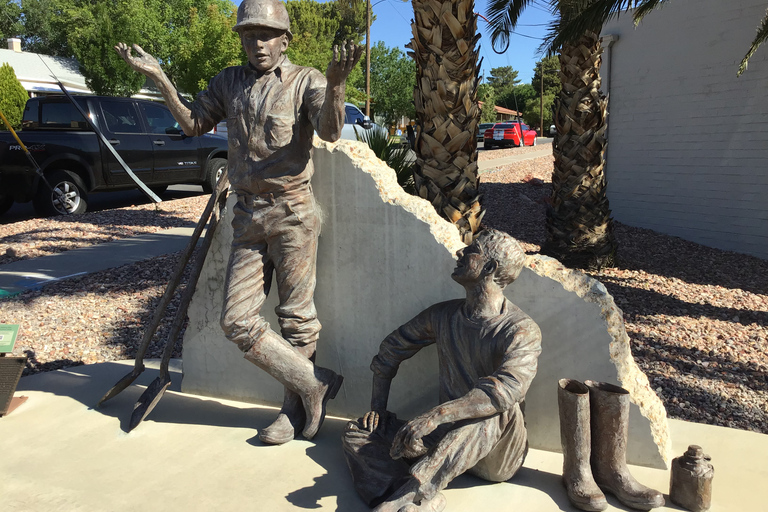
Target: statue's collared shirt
x,y
271,118
498,356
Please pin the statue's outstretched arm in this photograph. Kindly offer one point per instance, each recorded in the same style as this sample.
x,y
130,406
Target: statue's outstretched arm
x,y
148,66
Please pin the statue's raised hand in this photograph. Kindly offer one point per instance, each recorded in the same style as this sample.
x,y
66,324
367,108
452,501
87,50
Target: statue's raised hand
x,y
142,62
344,60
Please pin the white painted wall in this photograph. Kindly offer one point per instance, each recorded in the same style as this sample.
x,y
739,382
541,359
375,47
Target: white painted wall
x,y
688,140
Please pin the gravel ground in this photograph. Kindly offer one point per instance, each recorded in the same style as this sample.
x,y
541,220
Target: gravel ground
x,y
41,237
697,317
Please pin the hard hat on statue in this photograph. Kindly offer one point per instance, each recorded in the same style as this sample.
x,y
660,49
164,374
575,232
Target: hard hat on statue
x,y
263,13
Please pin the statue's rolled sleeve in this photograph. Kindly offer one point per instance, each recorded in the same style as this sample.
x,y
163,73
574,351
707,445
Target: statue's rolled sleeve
x,y
209,108
329,121
402,344
510,382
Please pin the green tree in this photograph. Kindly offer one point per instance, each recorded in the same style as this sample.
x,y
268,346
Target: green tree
x,y
486,94
10,19
95,28
13,97
504,80
393,76
551,78
203,45
317,27
533,110
45,27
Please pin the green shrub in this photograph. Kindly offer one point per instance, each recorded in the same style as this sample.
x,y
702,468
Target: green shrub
x,y
13,97
392,153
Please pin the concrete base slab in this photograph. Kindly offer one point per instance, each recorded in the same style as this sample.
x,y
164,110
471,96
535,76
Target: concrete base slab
x,y
201,454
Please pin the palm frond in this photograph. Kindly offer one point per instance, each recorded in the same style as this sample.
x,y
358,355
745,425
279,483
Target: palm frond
x,y
644,7
578,17
503,16
760,38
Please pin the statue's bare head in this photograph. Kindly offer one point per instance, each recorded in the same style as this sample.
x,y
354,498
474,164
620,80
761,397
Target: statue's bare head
x,y
265,32
494,255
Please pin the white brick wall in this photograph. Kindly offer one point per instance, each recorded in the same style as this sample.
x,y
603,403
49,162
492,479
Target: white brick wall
x,y
688,140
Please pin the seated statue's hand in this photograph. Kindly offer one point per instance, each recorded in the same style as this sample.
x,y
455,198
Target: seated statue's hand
x,y
408,441
142,62
372,419
342,63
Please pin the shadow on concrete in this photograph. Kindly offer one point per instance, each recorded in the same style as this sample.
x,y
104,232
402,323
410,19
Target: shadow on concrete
x,y
328,453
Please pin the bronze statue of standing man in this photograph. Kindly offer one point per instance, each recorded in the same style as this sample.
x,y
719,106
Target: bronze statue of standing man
x,y
272,108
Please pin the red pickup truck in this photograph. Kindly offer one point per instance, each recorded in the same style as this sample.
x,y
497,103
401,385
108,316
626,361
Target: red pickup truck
x,y
75,162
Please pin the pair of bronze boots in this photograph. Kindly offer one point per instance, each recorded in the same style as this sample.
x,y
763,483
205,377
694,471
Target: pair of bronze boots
x,y
594,423
307,387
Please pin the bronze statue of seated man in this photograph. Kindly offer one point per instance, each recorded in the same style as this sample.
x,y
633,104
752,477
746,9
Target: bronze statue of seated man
x,y
488,351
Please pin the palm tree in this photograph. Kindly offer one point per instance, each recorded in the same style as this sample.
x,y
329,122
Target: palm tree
x,y
579,223
444,46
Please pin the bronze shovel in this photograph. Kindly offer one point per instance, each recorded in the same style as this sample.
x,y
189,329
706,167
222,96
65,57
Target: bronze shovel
x,y
138,368
154,392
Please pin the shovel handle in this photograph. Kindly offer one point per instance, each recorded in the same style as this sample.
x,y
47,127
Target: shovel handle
x,y
189,291
177,273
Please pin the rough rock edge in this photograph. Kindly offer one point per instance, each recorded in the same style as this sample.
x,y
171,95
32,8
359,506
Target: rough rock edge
x,y
630,375
590,290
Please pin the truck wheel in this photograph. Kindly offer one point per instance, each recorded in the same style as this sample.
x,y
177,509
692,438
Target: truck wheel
x,y
67,196
216,169
487,145
5,203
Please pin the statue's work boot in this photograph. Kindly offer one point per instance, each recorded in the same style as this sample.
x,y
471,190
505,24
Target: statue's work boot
x,y
575,437
290,421
292,417
315,400
315,385
610,425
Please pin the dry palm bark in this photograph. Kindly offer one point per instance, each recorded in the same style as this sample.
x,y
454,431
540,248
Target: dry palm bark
x,y
579,223
445,49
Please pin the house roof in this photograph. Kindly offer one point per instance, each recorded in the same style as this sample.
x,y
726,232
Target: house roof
x,y
31,70
502,110
33,74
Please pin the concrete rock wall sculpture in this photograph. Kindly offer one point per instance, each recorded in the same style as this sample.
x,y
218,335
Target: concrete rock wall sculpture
x,y
383,257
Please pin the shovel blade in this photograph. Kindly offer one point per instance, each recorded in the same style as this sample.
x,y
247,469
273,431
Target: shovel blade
x,y
123,383
148,400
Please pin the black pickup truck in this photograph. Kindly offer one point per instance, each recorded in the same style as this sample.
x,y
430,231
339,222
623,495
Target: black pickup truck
x,y
76,162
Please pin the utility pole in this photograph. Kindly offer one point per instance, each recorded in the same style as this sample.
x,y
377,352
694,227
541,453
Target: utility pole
x,y
368,58
541,97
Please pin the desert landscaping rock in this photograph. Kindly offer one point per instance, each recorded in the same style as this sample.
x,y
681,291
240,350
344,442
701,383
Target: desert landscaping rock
x,y
697,317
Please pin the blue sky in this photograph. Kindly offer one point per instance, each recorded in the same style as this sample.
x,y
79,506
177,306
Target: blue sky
x,y
393,26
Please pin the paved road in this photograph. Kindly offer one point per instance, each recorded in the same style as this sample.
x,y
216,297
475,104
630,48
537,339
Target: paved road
x,y
109,200
106,201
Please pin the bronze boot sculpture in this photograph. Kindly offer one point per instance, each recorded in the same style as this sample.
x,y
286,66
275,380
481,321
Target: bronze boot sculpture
x,y
314,384
575,437
292,416
610,425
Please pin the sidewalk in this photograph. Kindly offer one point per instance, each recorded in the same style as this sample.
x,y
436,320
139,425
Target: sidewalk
x,y
196,453
29,274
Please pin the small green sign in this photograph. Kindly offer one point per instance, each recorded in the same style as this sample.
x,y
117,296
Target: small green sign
x,y
8,334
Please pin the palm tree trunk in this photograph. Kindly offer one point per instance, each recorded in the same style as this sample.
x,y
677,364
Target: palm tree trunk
x,y
579,223
445,49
